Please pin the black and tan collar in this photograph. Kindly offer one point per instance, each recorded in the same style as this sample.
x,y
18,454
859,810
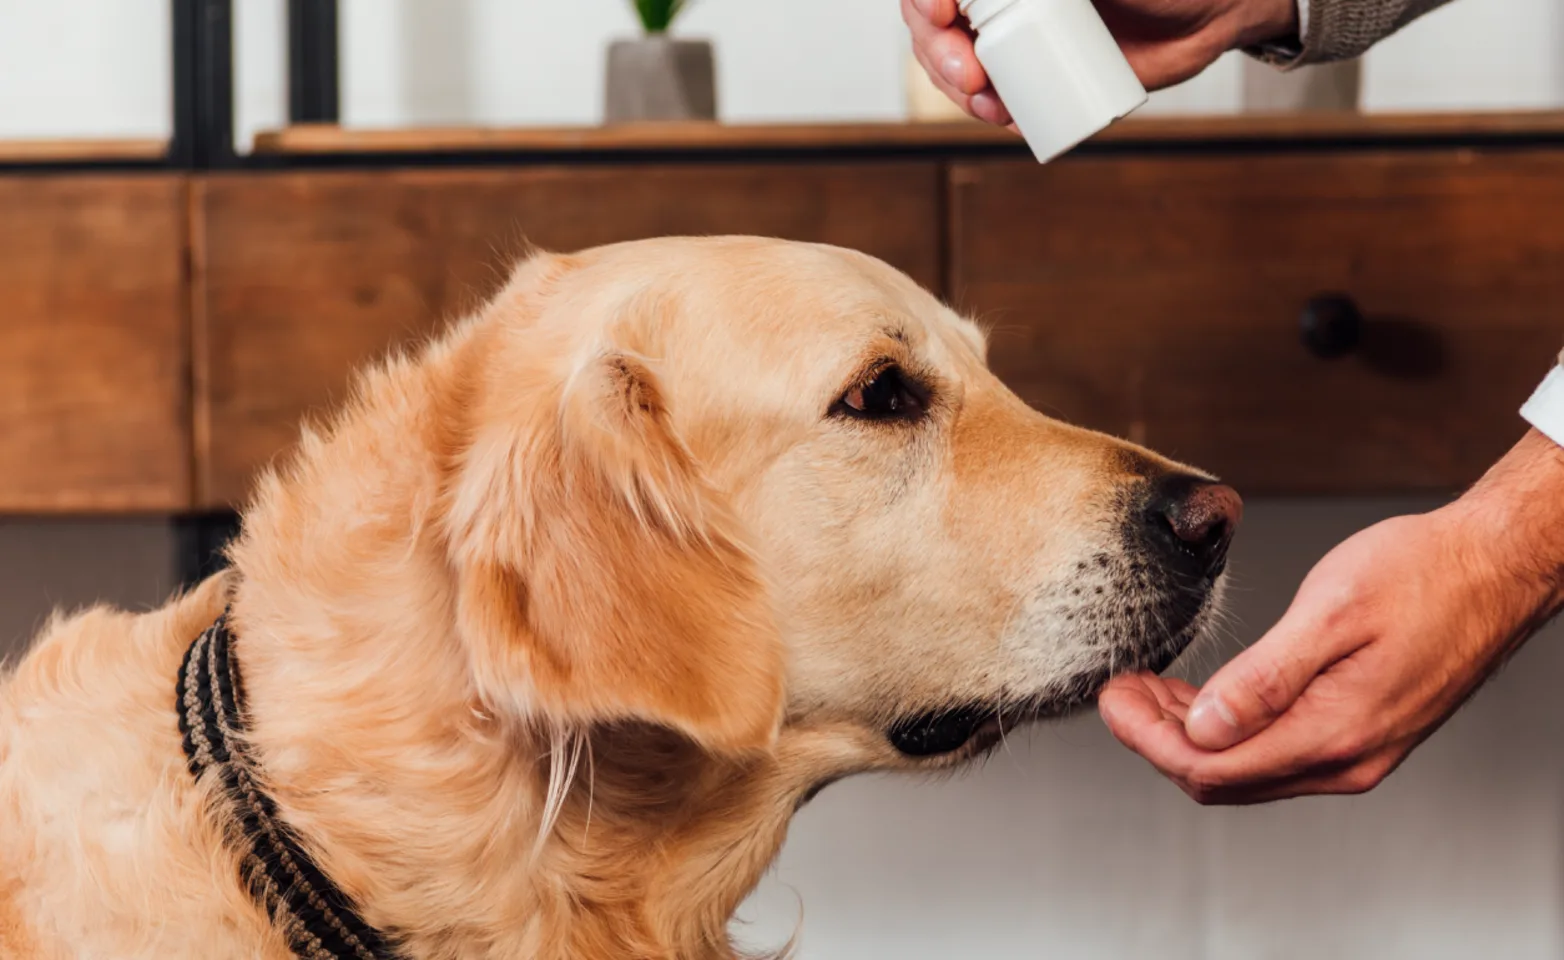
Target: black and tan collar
x,y
319,919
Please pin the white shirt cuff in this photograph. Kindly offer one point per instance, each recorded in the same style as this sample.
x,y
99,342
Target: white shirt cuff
x,y
1303,20
1545,409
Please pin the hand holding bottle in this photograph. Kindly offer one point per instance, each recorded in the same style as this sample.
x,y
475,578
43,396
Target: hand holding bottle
x,y
1165,41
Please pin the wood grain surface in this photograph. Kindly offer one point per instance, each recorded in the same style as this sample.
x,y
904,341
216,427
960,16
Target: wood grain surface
x,y
1160,299
94,372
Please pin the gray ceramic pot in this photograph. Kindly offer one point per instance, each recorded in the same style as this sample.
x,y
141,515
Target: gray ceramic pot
x,y
659,78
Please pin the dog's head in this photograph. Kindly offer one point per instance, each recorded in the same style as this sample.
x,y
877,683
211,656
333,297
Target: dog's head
x,y
737,486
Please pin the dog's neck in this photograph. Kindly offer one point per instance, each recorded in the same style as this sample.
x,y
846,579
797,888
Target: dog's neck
x,y
422,805
432,825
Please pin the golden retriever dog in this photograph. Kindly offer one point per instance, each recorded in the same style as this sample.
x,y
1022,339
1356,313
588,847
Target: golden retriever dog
x,y
546,637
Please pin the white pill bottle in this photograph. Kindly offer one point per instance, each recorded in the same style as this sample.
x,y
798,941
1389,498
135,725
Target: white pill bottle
x,y
1056,66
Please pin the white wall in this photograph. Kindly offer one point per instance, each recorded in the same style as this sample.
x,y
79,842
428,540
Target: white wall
x,y
501,62
95,68
99,67
1475,55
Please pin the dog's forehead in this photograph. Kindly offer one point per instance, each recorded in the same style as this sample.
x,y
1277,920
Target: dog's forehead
x,y
796,306
813,298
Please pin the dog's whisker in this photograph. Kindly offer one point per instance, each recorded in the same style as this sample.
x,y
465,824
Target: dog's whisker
x,y
563,759
586,830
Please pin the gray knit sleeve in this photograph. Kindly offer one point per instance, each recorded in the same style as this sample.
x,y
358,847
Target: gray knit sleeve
x,y
1343,29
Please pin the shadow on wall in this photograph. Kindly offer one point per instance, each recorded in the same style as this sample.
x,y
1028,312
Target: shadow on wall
x,y
50,564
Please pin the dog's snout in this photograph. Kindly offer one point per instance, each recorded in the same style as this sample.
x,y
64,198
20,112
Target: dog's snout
x,y
1194,520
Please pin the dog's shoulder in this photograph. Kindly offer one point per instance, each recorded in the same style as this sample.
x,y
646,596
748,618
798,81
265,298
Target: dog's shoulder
x,y
103,647
90,777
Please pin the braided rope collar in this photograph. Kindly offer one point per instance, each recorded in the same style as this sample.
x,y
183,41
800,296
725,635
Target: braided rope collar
x,y
319,920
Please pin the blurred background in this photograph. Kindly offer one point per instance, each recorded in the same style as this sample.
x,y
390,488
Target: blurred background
x,y
210,212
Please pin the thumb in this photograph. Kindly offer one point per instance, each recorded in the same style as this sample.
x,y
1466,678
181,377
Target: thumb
x,y
1255,687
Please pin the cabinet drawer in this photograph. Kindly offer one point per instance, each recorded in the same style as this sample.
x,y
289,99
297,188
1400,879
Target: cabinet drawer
x,y
1160,299
93,371
303,276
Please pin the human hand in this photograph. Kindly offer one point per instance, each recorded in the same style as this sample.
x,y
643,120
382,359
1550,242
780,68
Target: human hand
x,y
1166,41
1387,637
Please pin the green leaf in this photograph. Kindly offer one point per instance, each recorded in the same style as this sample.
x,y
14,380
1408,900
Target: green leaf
x,y
658,15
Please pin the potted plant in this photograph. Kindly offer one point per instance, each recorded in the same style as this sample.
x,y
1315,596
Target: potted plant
x,y
656,77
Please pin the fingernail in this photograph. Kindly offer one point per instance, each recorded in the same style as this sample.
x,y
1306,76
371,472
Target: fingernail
x,y
955,70
925,7
1211,723
987,107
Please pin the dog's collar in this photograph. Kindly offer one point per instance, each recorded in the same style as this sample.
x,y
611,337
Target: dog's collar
x,y
318,918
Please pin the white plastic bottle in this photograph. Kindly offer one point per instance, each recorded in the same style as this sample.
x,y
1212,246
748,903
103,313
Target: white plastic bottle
x,y
1056,66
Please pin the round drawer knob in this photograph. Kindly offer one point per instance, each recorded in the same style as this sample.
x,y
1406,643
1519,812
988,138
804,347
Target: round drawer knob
x,y
1331,326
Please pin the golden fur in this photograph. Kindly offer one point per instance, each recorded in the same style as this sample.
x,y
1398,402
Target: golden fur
x,y
549,634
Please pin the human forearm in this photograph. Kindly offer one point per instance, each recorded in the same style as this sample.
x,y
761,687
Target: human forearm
x,y
1513,521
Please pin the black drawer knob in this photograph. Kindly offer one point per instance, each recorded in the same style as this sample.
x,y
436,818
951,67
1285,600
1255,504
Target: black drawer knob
x,y
1331,326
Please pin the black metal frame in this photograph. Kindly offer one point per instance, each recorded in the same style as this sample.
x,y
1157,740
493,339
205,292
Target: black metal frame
x,y
312,61
203,85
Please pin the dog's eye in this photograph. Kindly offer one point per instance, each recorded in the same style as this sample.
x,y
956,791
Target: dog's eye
x,y
888,395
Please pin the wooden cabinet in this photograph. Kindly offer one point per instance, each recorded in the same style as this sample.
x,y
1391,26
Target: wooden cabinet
x,y
301,277
166,333
1159,298
94,368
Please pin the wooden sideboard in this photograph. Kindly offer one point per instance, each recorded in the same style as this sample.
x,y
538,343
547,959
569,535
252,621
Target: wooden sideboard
x,y
1160,299
94,367
167,331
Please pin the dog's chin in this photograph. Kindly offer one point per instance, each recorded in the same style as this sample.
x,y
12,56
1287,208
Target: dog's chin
x,y
954,733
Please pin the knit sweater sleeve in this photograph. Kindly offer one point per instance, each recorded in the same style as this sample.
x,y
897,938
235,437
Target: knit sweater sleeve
x,y
1343,29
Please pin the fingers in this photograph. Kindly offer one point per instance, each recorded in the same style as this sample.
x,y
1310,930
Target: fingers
x,y
952,64
1260,684
1302,753
936,13
1294,757
1211,778
1310,765
938,77
987,106
943,46
1146,714
1358,778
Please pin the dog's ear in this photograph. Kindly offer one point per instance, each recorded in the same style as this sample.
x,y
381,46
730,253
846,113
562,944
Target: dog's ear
x,y
599,577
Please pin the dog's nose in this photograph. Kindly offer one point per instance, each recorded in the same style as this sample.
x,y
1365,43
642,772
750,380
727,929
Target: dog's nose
x,y
1196,519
